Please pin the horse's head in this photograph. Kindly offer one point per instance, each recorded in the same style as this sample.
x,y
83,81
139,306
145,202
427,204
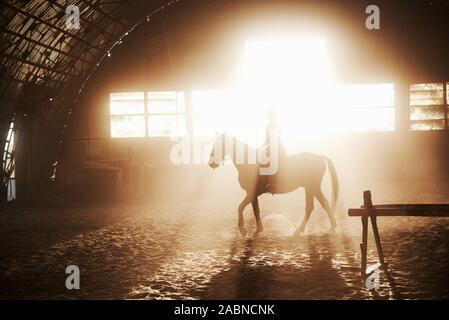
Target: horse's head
x,y
217,154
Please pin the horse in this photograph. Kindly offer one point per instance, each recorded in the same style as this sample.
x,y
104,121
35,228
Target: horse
x,y
299,170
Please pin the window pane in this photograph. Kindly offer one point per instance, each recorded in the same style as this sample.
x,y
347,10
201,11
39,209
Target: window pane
x,y
166,125
181,102
162,95
426,94
365,95
427,125
447,92
126,96
210,100
166,102
378,119
204,125
127,107
162,106
127,126
426,113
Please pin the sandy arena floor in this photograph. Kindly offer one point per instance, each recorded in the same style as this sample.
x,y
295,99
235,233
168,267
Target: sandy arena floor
x,y
135,251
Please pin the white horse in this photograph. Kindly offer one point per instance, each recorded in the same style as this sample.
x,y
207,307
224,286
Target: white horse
x,y
299,170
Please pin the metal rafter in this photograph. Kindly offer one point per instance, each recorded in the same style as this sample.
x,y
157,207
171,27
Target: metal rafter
x,y
39,51
92,25
37,65
40,44
51,26
108,16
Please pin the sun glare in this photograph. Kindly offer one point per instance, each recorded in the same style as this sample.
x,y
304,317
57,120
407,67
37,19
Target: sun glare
x,y
294,77
281,65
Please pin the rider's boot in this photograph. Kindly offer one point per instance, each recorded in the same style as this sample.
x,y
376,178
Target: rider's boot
x,y
271,187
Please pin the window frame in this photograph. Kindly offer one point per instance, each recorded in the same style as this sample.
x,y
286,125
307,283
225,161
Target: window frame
x,y
176,115
391,108
112,115
181,128
443,108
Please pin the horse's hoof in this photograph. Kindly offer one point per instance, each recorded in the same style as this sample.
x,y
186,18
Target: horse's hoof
x,y
243,232
256,233
301,229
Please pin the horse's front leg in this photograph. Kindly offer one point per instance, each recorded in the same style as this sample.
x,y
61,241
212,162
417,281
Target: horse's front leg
x,y
241,222
256,209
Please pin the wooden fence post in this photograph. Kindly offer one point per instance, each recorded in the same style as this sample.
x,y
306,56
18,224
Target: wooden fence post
x,y
364,244
368,203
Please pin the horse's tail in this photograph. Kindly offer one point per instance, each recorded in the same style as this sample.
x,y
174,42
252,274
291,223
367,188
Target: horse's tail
x,y
335,184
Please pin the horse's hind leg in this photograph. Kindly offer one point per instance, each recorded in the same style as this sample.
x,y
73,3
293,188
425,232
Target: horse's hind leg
x,y
241,222
256,209
325,204
309,209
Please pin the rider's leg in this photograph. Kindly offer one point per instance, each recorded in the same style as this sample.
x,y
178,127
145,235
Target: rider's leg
x,y
272,185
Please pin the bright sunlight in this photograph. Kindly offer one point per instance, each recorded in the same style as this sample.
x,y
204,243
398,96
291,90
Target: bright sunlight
x,y
293,77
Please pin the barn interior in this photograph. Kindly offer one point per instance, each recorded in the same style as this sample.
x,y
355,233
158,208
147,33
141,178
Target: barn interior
x,y
90,113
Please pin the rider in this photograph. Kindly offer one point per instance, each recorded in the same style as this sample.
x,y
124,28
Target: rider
x,y
272,126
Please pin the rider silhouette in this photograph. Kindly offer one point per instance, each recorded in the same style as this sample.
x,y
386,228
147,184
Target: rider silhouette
x,y
273,125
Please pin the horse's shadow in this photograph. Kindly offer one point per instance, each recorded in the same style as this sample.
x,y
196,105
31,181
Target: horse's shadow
x,y
267,268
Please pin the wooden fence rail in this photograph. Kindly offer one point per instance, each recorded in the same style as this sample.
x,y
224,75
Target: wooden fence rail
x,y
370,211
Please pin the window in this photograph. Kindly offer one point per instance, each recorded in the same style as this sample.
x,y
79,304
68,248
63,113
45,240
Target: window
x,y
127,112
166,114
9,164
243,112
364,107
428,106
344,108
295,77
151,114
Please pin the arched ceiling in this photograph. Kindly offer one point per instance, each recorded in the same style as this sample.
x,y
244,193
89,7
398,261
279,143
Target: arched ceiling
x,y
36,45
40,56
43,64
37,48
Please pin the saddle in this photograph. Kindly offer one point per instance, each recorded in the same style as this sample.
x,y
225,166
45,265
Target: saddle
x,y
269,182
